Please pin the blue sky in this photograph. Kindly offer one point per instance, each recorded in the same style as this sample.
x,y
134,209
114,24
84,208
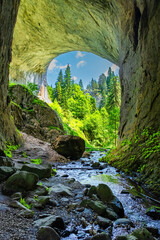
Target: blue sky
x,y
83,66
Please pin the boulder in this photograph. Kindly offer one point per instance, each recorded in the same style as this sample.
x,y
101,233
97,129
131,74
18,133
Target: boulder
x,y
96,206
101,236
61,190
69,146
43,171
127,237
142,234
47,233
111,214
105,193
20,182
50,221
6,161
41,201
125,221
117,206
104,222
6,172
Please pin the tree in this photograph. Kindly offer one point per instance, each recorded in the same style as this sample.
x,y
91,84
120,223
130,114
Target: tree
x,y
67,80
102,83
113,107
59,93
110,76
81,84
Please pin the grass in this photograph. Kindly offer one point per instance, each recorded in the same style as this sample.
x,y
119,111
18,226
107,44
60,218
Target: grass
x,y
9,149
23,202
37,161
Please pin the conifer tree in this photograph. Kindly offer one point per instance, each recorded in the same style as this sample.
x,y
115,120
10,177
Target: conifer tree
x,y
81,84
67,80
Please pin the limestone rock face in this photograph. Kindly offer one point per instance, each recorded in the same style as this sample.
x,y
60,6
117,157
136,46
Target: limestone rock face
x,y
8,13
125,33
33,116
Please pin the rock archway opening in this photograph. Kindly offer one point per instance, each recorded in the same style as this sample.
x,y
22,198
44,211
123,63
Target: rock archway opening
x,y
126,34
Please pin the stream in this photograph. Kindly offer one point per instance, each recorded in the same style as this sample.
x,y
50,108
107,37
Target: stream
x,y
134,207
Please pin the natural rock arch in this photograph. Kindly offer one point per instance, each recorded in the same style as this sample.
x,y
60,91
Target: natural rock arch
x,y
125,33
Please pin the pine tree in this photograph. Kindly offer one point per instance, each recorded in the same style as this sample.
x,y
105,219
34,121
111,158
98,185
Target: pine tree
x,y
67,79
113,107
59,93
81,85
102,83
110,76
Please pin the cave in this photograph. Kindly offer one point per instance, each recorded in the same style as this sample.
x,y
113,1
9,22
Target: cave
x,y
32,33
125,34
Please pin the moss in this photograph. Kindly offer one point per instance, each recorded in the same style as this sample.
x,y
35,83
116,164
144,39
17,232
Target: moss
x,y
10,148
53,127
39,102
139,155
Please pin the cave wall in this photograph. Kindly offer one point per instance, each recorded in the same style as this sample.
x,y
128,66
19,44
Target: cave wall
x,y
8,13
140,66
127,34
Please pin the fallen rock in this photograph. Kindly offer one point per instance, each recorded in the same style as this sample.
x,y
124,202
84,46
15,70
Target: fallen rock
x,y
69,146
153,213
47,233
125,221
127,237
61,190
105,193
6,172
117,206
17,196
6,161
101,236
20,182
86,155
43,171
50,221
104,222
142,234
95,165
41,201
96,206
111,214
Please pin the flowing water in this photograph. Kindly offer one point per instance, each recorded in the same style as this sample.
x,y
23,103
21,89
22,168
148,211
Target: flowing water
x,y
134,207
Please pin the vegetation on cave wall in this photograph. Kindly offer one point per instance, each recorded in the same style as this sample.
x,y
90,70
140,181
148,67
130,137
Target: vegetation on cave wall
x,y
139,157
81,116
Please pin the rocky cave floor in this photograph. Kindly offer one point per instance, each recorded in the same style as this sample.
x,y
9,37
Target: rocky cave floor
x,y
64,208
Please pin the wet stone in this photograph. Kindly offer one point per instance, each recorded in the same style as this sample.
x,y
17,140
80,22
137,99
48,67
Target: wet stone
x,y
47,233
125,221
104,222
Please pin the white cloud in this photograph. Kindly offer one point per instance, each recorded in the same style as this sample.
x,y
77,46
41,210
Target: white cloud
x,y
80,54
81,64
113,67
74,78
52,65
62,67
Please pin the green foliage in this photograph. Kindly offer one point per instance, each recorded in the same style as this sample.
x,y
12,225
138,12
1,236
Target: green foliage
x,y
33,88
79,112
50,93
36,161
24,154
39,102
40,183
53,127
54,172
9,149
23,202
